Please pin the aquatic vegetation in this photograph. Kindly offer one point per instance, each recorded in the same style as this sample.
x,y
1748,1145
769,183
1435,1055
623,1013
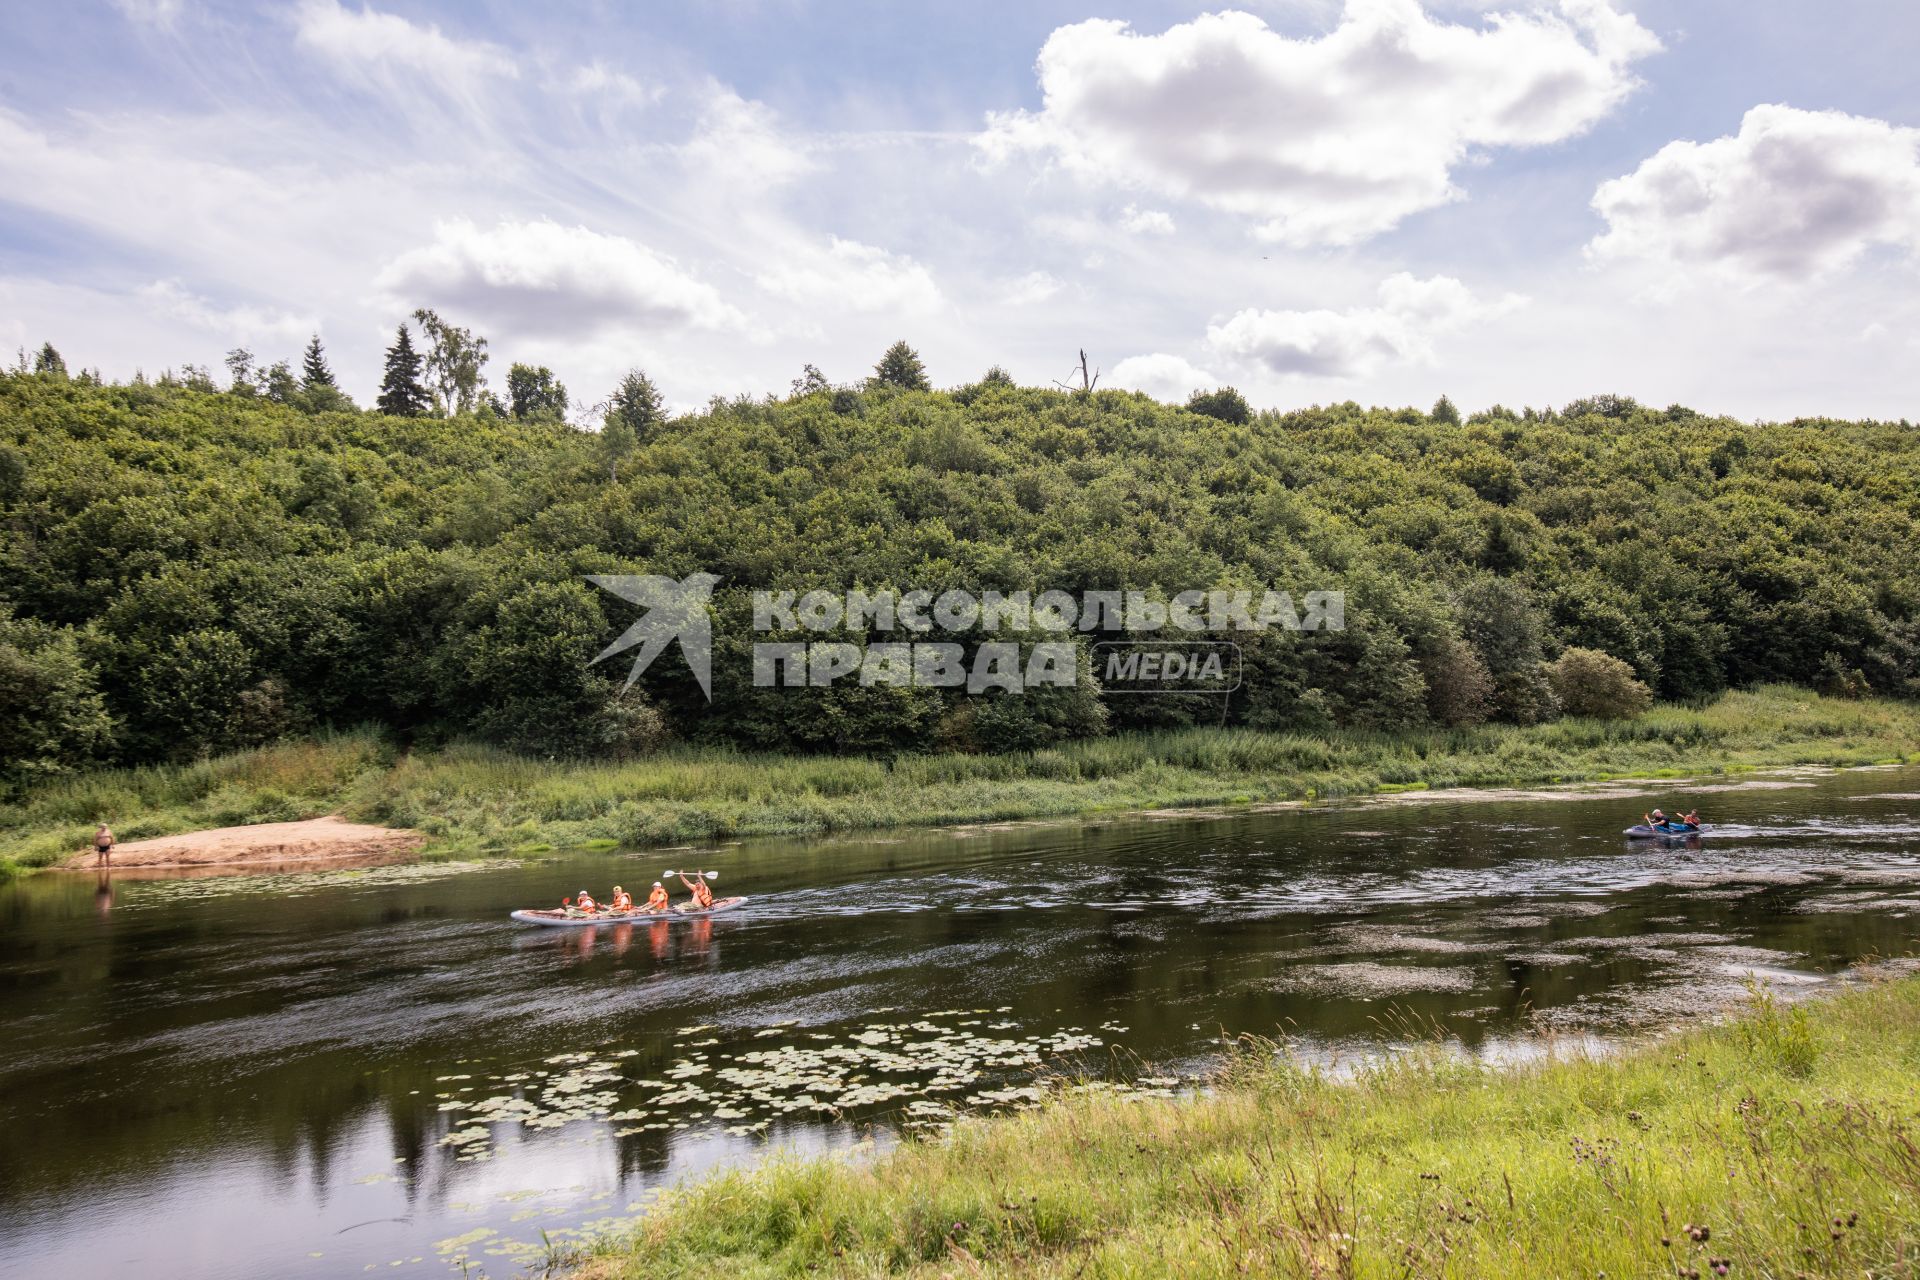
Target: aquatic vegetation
x,y
913,1074
138,892
1782,1143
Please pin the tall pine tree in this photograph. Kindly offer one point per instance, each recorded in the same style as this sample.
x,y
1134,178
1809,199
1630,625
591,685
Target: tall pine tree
x,y
401,394
313,368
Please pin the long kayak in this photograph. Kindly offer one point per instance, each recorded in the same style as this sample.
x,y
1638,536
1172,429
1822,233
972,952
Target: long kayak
x,y
1641,831
564,920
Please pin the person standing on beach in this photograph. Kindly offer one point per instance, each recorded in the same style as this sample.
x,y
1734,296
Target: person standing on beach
x,y
103,846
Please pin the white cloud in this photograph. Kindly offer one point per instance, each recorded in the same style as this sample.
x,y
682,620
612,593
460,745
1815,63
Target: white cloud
x,y
1150,222
1794,195
1035,286
851,276
739,142
1162,376
1327,140
541,277
1330,344
388,54
610,86
173,301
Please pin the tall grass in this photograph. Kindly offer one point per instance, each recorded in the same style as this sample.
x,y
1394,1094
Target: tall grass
x,y
1777,1145
471,798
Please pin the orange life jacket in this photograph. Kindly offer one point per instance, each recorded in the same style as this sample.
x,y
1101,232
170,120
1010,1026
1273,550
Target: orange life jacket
x,y
657,899
623,901
702,896
587,904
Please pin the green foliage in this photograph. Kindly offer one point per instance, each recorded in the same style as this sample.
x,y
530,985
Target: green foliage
x,y
231,568
453,362
1445,412
1226,404
1587,682
314,369
401,393
533,392
49,361
901,367
52,715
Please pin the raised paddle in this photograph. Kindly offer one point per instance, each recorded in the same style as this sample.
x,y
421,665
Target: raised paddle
x,y
711,875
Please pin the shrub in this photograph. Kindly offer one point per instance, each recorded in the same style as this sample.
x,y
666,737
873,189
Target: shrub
x,y
1591,683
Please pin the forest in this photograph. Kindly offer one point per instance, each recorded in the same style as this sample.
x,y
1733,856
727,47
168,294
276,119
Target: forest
x,y
188,569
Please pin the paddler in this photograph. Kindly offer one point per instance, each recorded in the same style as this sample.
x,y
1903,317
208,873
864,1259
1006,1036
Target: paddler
x,y
702,896
584,904
657,900
622,900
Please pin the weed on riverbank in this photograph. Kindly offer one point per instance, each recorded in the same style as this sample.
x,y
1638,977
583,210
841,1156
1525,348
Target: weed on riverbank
x,y
474,799
1779,1144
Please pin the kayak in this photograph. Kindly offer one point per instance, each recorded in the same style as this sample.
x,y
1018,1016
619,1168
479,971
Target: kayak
x,y
561,919
1641,831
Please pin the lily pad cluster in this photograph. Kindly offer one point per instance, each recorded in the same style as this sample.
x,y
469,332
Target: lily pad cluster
x,y
916,1072
288,884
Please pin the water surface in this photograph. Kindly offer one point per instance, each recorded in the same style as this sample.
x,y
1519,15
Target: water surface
x,y
341,1072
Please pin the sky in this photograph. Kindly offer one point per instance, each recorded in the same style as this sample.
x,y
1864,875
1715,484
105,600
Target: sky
x,y
1708,202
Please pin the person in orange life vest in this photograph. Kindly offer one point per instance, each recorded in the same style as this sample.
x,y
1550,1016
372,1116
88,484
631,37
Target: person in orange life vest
x,y
583,902
702,896
622,900
657,900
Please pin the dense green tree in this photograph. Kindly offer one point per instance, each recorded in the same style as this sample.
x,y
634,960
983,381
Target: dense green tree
x,y
1587,682
635,411
278,383
901,367
315,372
242,380
47,360
533,392
401,394
217,571
1226,404
454,360
52,715
1444,412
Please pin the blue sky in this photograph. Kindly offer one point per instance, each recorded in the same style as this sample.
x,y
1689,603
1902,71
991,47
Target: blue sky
x,y
1706,202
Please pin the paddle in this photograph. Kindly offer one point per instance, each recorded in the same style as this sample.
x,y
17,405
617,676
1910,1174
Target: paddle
x,y
711,875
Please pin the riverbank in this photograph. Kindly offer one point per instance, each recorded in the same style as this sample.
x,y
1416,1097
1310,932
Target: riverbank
x,y
315,842
468,800
1782,1143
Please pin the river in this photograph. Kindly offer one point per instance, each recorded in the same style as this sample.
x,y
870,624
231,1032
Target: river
x,y
352,1072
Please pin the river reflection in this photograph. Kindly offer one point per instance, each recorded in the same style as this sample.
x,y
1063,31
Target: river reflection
x,y
319,1074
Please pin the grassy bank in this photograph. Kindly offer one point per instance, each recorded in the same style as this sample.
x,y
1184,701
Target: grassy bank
x,y
473,799
1789,1143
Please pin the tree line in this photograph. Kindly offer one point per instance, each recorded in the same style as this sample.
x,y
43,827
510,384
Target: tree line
x,y
186,568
